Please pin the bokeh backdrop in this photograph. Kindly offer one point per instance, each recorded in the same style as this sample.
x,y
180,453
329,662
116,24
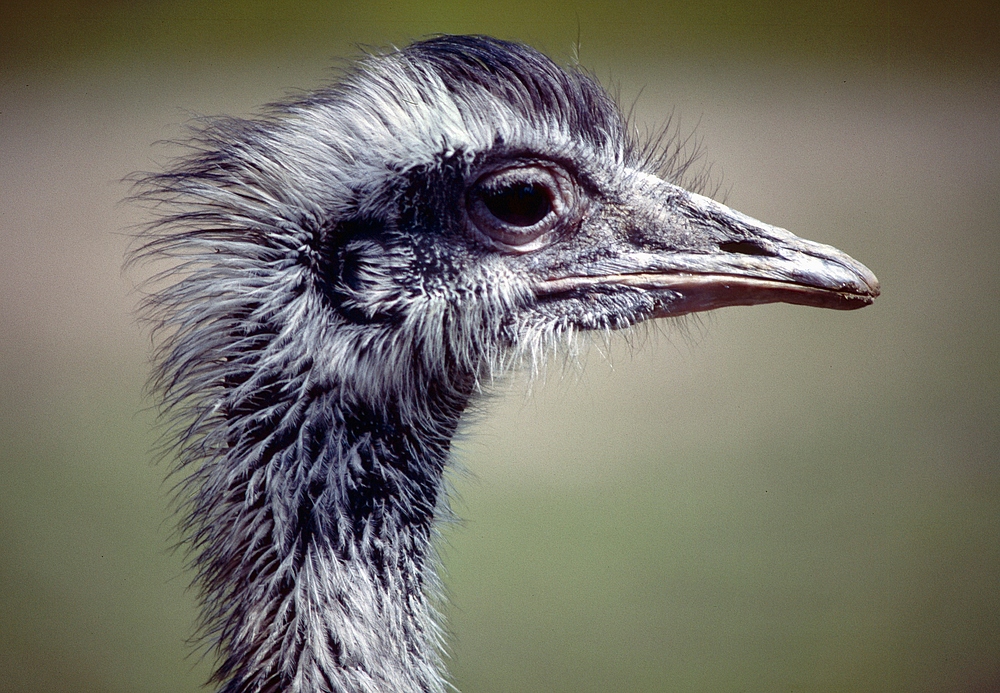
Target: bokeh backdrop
x,y
766,499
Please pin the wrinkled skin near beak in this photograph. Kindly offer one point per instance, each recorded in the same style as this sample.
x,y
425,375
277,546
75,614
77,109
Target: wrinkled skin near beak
x,y
688,253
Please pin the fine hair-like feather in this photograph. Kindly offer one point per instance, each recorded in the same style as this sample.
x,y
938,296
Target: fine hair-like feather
x,y
346,272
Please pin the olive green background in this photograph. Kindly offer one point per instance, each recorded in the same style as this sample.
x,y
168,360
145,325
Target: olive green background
x,y
766,499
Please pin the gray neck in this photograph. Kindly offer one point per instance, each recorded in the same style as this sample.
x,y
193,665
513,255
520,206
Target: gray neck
x,y
316,575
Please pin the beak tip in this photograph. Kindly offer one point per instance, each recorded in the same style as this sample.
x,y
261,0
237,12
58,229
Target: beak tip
x,y
869,282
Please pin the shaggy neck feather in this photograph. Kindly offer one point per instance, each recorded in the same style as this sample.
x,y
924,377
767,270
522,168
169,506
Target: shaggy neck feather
x,y
333,588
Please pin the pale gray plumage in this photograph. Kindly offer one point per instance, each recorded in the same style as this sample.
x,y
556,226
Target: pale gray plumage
x,y
349,270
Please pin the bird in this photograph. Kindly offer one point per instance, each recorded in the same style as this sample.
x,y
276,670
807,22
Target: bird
x,y
343,275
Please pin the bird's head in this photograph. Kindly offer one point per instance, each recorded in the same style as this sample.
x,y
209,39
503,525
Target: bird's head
x,y
440,208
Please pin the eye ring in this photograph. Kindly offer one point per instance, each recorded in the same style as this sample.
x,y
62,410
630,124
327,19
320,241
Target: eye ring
x,y
517,207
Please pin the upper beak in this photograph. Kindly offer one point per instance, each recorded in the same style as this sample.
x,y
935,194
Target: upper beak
x,y
692,254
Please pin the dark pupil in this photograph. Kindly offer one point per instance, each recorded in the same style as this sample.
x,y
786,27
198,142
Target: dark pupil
x,y
522,204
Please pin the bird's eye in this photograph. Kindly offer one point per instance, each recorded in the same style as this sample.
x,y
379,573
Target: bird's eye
x,y
516,207
521,204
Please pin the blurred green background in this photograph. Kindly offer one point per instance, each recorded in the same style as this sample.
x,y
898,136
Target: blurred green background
x,y
767,499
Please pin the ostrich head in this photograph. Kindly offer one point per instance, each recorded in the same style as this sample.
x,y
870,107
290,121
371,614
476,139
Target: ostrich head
x,y
346,272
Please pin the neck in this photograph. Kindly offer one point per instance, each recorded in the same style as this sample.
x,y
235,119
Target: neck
x,y
317,559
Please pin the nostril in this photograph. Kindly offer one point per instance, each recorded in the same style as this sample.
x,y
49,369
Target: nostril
x,y
745,248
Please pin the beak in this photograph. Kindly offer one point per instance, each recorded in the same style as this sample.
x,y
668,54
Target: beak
x,y
688,253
